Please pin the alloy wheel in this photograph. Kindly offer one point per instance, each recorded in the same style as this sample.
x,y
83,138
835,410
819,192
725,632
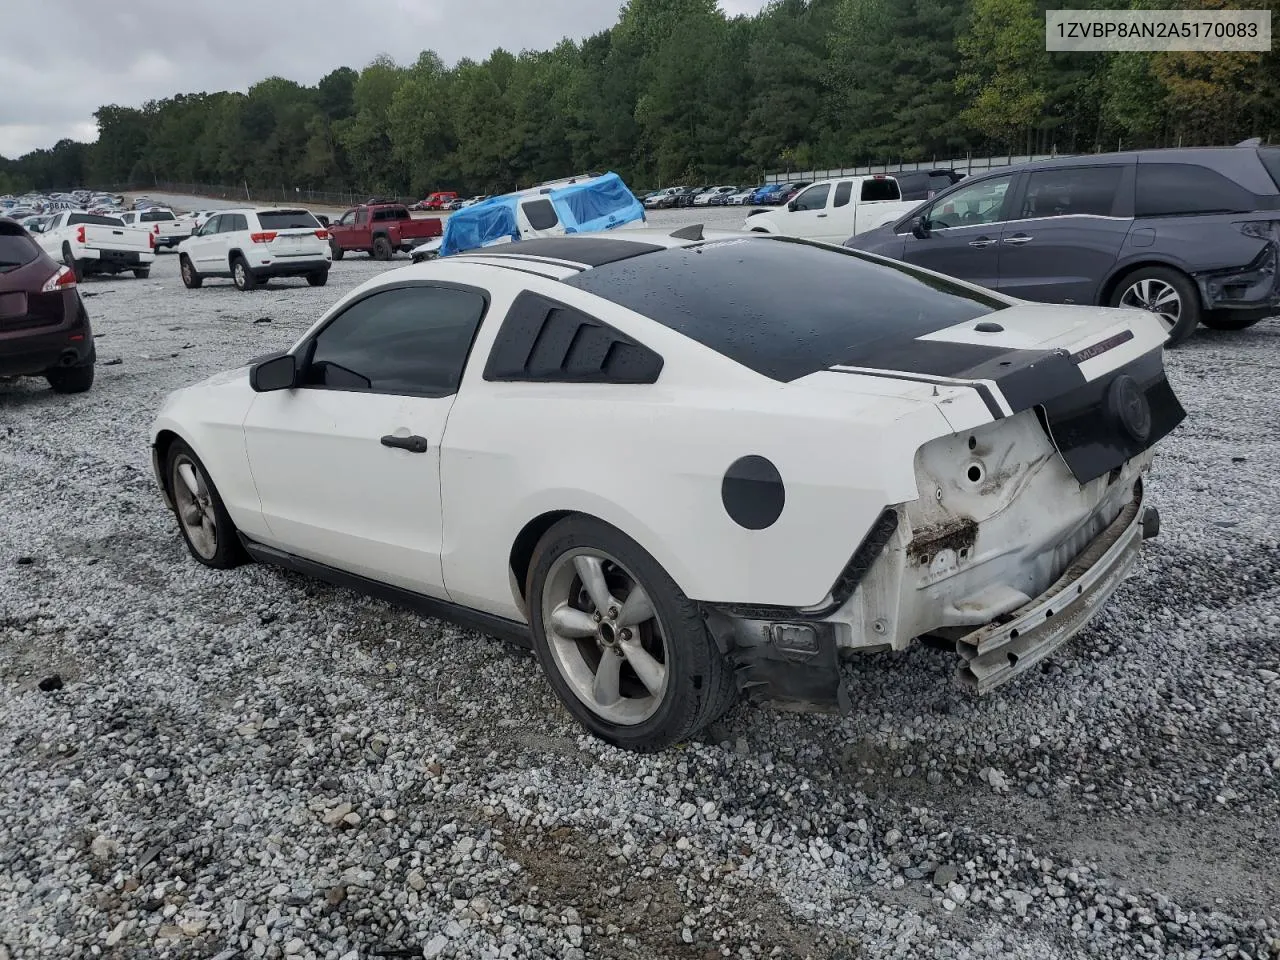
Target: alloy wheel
x,y
605,637
1156,296
195,506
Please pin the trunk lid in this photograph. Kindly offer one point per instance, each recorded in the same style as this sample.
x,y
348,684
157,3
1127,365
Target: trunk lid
x,y
99,237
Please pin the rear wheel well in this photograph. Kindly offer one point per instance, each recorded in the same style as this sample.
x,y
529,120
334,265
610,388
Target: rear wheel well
x,y
1110,287
231,257
526,540
164,440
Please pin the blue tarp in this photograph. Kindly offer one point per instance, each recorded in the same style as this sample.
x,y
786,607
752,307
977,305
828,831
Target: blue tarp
x,y
600,204
483,223
588,207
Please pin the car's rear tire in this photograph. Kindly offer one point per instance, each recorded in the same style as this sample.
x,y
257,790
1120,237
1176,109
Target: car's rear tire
x,y
337,251
141,273
70,379
242,276
1168,293
319,278
1231,319
627,653
206,527
190,279
382,249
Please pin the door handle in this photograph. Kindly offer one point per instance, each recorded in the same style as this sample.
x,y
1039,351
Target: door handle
x,y
981,242
1018,239
821,215
413,444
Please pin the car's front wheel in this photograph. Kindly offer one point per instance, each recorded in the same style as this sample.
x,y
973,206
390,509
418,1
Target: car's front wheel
x,y
382,249
337,251
1168,293
624,649
206,526
190,279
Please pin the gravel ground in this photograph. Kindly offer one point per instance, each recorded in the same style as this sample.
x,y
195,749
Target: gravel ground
x,y
249,764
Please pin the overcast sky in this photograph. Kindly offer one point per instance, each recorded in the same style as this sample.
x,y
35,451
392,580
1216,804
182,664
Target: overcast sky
x,y
139,50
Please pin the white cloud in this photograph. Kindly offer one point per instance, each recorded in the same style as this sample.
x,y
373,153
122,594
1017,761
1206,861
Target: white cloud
x,y
150,49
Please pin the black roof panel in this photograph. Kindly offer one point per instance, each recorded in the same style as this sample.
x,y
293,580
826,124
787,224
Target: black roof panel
x,y
788,308
590,251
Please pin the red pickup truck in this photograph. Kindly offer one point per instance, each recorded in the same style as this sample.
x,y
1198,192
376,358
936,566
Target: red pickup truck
x,y
380,229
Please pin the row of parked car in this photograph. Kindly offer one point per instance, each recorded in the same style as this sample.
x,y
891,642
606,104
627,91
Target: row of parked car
x,y
914,185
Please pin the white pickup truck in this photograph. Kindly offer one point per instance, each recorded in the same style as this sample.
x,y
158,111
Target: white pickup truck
x,y
834,210
91,243
168,230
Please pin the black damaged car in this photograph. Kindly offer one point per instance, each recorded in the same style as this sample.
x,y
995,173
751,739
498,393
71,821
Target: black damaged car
x,y
1192,235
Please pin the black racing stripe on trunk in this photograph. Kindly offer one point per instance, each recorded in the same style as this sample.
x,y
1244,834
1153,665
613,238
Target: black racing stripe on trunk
x,y
1029,377
997,413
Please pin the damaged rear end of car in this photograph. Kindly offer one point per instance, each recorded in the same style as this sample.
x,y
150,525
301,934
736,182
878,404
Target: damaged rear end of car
x,y
1027,517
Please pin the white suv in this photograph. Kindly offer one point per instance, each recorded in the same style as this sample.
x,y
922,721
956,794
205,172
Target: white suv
x,y
253,245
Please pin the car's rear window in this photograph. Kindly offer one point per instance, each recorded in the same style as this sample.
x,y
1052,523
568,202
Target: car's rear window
x,y
1188,189
16,248
288,220
541,214
833,306
150,216
93,219
877,190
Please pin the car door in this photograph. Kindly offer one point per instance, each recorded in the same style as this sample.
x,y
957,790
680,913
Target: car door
x,y
198,246
807,215
1068,230
347,463
963,236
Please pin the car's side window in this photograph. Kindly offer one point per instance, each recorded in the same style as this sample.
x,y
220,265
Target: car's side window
x,y
1181,189
362,216
815,198
239,222
409,340
844,191
212,226
1071,191
976,204
347,218
541,214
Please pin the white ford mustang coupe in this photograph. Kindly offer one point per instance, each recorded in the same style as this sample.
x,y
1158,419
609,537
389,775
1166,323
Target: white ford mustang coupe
x,y
688,467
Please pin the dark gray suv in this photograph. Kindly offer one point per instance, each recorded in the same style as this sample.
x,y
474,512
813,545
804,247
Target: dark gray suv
x,y
1192,235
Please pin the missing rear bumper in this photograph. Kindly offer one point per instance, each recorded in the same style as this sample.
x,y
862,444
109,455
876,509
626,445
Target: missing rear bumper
x,y
998,652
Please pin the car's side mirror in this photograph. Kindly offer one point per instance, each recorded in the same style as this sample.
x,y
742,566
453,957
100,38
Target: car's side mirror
x,y
279,372
791,205
920,228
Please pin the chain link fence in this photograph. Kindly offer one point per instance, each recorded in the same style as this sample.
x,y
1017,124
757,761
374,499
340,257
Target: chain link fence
x,y
246,193
966,165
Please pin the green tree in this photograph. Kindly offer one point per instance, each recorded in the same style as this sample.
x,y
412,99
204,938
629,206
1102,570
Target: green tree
x,y
1003,68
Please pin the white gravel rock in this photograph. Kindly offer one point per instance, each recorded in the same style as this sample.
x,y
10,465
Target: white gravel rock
x,y
216,771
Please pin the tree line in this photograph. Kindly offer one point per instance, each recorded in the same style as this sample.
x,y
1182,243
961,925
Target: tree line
x,y
677,92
